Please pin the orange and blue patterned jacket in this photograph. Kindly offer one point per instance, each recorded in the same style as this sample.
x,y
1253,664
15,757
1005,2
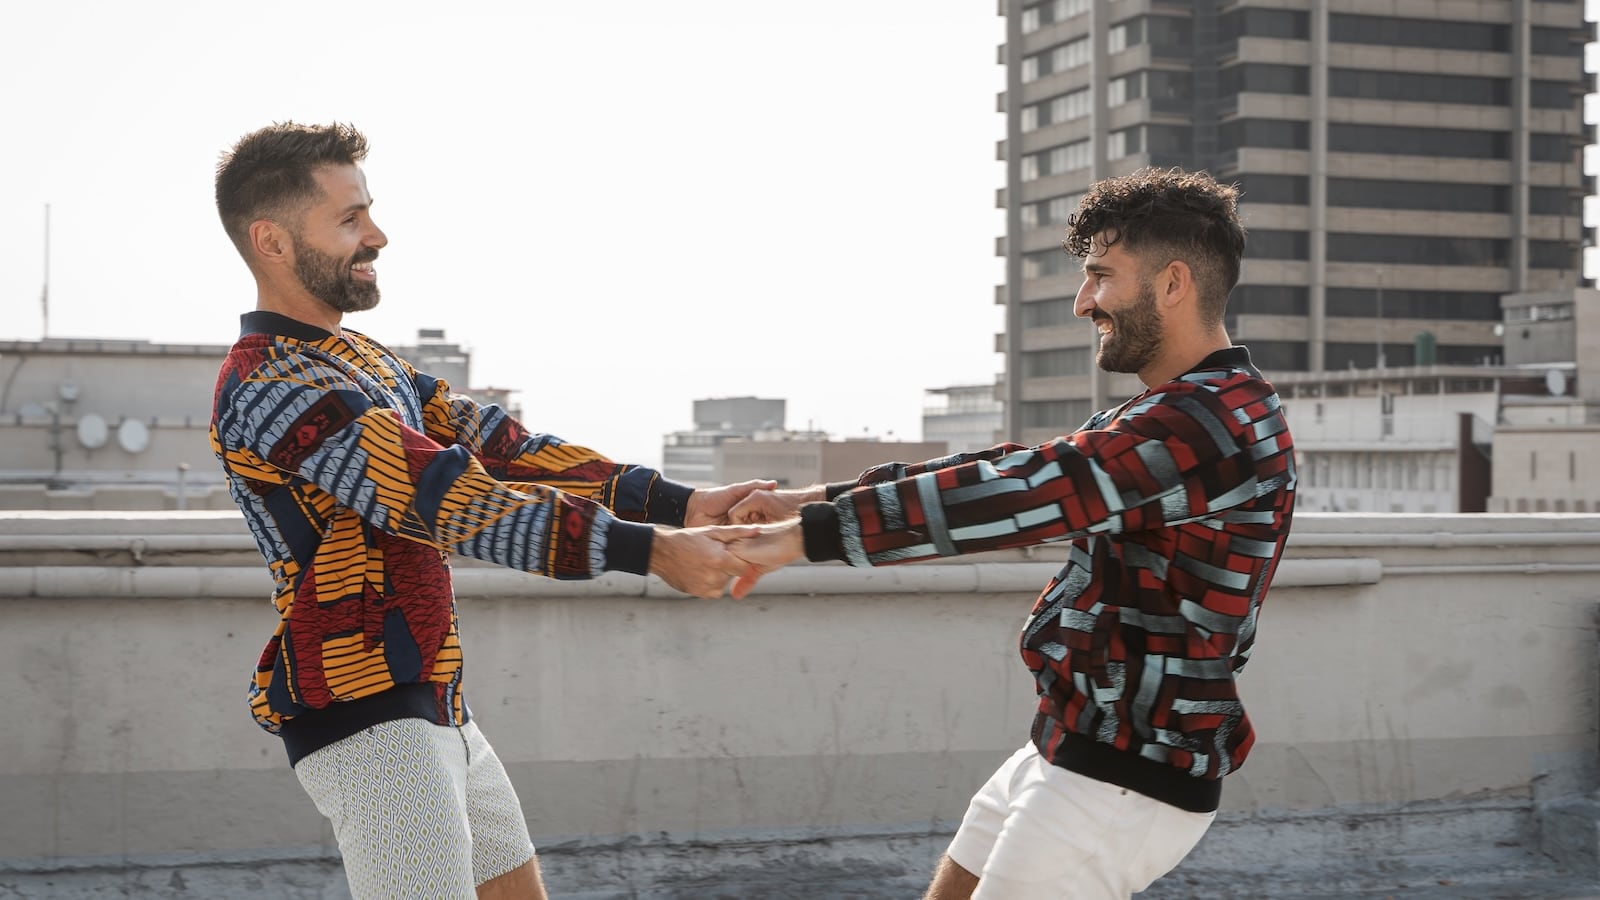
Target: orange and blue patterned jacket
x,y
358,476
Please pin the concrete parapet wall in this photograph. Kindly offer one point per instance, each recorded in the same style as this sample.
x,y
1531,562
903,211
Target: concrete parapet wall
x,y
1430,666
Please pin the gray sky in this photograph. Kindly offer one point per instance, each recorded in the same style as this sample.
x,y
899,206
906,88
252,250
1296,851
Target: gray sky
x,y
618,205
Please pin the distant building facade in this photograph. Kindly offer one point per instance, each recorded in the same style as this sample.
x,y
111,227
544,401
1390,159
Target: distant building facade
x,y
690,456
1522,437
1546,452
804,461
125,424
964,417
1403,166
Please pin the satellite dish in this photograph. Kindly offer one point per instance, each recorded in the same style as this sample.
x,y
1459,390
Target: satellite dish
x,y
69,391
1555,381
133,436
92,431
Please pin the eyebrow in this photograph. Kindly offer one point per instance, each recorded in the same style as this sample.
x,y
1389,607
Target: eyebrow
x,y
356,207
1096,268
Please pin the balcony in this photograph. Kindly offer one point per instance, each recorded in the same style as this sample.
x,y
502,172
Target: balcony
x,y
1425,690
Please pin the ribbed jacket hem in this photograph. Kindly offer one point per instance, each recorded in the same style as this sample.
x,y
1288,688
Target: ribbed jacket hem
x,y
309,732
1155,780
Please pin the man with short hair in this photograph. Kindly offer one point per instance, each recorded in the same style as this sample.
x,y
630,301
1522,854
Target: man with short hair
x,y
358,476
1177,505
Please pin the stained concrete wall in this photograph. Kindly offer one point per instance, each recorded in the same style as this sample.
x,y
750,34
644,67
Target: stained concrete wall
x,y
1421,679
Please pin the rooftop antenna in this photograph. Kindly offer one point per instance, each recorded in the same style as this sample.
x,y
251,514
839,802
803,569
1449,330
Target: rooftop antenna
x,y
44,293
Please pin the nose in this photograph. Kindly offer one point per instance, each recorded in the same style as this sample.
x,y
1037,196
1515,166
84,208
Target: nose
x,y
1083,304
375,237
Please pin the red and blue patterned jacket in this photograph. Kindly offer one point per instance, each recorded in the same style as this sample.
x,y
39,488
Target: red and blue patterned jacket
x,y
1177,505
358,476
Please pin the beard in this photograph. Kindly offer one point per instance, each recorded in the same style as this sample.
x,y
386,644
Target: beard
x,y
329,279
1135,338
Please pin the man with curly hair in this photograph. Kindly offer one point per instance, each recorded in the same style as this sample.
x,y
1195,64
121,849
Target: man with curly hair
x,y
1177,505
359,476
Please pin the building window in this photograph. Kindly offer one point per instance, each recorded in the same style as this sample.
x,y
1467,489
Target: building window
x,y
1284,190
1055,363
1285,24
1269,300
1263,243
1056,160
1169,91
1049,264
1420,87
1051,11
1074,105
1121,90
1552,255
1280,356
1264,78
1554,147
1123,143
1470,306
1372,193
1394,31
1054,211
1047,313
1168,145
1396,140
1539,312
1558,41
1408,249
1555,201
1059,58
1555,94
1168,37
1062,416
1280,134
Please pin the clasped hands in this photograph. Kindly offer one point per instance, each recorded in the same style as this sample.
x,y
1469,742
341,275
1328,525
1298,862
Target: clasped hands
x,y
732,535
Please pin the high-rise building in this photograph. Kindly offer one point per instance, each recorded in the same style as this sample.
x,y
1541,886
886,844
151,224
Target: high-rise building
x,y
1404,163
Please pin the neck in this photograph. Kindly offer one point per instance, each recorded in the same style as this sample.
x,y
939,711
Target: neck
x,y
296,303
1184,355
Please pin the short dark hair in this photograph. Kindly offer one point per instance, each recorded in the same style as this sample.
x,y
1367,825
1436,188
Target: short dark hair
x,y
1162,215
270,174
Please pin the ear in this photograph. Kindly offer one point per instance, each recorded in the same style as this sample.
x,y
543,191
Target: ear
x,y
1174,283
270,242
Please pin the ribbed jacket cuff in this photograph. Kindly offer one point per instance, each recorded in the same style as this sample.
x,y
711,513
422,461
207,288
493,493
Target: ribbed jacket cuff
x,y
668,502
819,525
628,547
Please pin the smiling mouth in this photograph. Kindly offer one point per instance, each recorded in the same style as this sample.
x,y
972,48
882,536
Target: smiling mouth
x,y
364,271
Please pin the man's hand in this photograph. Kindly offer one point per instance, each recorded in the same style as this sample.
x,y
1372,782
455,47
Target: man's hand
x,y
696,560
772,548
774,506
710,506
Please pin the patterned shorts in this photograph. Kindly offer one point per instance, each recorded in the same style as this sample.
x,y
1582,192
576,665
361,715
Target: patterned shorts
x,y
420,810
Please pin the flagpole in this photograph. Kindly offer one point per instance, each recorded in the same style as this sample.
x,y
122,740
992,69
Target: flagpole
x,y
44,294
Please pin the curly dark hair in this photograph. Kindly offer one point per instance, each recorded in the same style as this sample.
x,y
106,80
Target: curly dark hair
x,y
1164,215
270,174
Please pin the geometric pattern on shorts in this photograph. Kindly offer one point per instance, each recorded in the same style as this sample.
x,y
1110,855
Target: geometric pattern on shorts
x,y
419,810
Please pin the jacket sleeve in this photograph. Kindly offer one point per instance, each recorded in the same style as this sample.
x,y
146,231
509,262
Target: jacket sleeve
x,y
1175,457
326,432
510,453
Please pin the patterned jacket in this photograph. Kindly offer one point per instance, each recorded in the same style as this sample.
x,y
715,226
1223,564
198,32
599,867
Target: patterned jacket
x,y
1177,505
358,476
